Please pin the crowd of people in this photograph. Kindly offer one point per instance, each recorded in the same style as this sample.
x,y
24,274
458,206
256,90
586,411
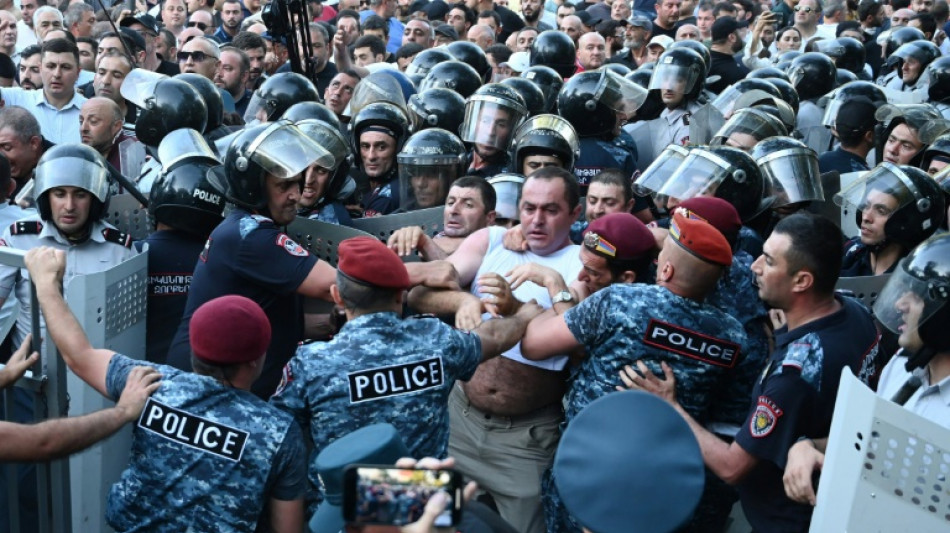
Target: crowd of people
x,y
634,195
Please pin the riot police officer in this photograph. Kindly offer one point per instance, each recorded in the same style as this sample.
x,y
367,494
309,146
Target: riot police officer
x,y
277,94
325,189
679,76
379,131
428,164
813,75
436,107
492,115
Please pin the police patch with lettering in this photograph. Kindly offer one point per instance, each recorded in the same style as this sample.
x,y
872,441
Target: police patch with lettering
x,y
766,415
291,246
193,431
691,344
395,380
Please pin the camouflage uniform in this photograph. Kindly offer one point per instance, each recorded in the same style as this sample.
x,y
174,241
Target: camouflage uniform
x,y
379,368
205,457
625,323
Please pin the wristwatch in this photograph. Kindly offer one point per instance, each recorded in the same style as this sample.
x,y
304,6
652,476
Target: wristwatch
x,y
563,296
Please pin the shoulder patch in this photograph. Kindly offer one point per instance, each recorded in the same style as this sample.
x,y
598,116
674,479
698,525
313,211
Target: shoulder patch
x,y
764,418
117,237
395,380
291,246
691,344
287,376
26,227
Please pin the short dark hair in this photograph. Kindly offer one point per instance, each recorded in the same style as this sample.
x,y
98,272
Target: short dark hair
x,y
492,14
572,191
408,50
869,8
470,16
499,52
815,245
928,24
348,14
847,25
247,40
614,176
489,198
88,40
30,51
375,44
375,22
900,4
724,6
61,46
222,372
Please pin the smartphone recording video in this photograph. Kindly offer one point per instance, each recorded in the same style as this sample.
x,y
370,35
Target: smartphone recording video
x,y
398,496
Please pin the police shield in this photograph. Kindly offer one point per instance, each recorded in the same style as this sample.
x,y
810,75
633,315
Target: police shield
x,y
643,136
704,123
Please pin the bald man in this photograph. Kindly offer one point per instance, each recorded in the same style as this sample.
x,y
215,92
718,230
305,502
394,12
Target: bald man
x,y
100,127
201,56
591,51
482,35
573,27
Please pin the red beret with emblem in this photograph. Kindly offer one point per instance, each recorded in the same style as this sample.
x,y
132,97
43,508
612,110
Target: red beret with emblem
x,y
619,236
228,330
700,239
369,261
718,212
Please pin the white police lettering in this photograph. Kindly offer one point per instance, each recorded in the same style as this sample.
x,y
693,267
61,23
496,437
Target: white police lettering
x,y
209,197
194,431
691,344
396,380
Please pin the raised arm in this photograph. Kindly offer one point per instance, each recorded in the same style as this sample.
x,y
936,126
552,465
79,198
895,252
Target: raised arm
x,y
500,334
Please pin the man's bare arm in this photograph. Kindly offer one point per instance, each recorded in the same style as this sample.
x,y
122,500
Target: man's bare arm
x,y
286,516
499,335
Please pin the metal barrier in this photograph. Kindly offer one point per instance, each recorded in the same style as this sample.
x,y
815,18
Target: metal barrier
x,y
865,288
127,214
430,220
110,307
322,238
886,467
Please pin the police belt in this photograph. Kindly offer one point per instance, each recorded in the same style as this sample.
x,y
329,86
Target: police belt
x,y
542,414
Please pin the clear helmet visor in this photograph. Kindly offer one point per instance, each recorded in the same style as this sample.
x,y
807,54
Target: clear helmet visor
x,y
746,128
620,94
424,185
139,86
654,177
221,145
181,144
489,123
831,112
906,302
329,138
699,175
377,87
259,109
884,189
72,172
554,123
508,195
670,77
285,152
792,176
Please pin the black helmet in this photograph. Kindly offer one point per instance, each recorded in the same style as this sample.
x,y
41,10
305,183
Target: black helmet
x,y
789,94
332,139
851,56
277,148
843,76
488,100
165,104
697,47
850,91
591,101
618,68
311,111
406,85
938,72
901,36
923,277
939,146
384,115
653,106
925,52
732,172
209,93
813,75
437,107
530,92
767,73
183,196
472,55
726,101
556,50
426,59
549,81
277,94
72,165
747,127
428,164
918,117
455,75
680,65
921,205
547,135
790,169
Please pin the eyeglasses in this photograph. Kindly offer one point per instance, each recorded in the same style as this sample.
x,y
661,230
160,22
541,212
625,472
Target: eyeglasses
x,y
805,9
364,3
200,25
197,55
599,245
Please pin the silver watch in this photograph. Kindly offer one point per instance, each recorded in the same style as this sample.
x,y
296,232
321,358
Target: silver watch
x,y
563,296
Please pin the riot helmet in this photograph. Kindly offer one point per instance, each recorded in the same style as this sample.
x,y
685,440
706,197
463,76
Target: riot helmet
x,y
697,47
277,94
915,116
813,75
382,116
472,55
492,115
331,138
720,171
790,169
924,52
843,76
426,59
789,94
726,101
312,111
767,73
619,68
183,197
212,98
938,72
165,104
428,164
849,91
747,127
508,197
279,149
909,197
901,36
596,102
406,85
939,148
530,93
72,165
851,56
914,302
549,81
653,106
454,75
652,179
556,50
680,70
437,107
549,135
377,87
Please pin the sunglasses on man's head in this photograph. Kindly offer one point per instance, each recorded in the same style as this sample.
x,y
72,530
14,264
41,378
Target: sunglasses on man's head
x,y
200,25
197,55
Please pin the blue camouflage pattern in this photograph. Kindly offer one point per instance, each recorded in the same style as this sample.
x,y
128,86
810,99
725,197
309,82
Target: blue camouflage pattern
x,y
174,487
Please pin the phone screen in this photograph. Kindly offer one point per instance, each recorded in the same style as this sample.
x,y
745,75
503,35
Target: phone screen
x,y
398,496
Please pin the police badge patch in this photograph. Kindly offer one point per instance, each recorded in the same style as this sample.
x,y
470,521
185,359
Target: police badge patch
x,y
764,418
291,246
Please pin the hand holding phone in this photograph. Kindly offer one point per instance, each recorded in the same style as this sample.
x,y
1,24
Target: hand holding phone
x,y
387,495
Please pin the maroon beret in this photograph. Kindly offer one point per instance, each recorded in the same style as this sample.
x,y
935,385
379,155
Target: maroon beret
x,y
618,236
368,260
228,330
718,212
699,238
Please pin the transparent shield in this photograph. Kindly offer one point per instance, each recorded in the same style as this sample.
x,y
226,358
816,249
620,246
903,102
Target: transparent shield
x,y
793,176
183,143
885,189
221,145
905,303
726,100
489,123
746,128
139,86
258,109
425,185
654,177
285,152
699,175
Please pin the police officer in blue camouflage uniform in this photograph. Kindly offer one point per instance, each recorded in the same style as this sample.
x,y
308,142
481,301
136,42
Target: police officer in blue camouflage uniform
x,y
207,455
625,323
381,368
